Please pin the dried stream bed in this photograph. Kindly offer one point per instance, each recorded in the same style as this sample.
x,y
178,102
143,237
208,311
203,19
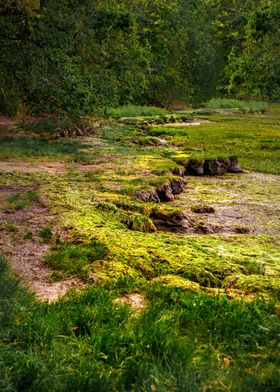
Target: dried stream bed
x,y
87,199
240,203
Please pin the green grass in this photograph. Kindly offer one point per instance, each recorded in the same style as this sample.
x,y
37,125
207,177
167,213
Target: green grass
x,y
137,111
253,139
182,342
41,147
45,233
244,106
72,258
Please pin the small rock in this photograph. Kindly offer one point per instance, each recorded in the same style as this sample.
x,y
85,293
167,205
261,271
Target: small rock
x,y
203,209
242,229
195,167
216,166
149,195
178,172
178,186
234,166
165,192
177,220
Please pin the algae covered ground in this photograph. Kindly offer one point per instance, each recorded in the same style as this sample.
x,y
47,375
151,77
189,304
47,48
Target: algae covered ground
x,y
178,296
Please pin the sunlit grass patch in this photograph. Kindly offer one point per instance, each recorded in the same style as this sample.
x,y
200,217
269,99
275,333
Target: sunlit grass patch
x,y
137,111
255,142
245,106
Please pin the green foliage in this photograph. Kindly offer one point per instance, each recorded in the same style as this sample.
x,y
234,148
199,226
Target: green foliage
x,y
249,35
91,57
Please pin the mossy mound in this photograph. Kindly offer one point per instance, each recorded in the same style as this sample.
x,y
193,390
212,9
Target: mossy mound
x,y
176,282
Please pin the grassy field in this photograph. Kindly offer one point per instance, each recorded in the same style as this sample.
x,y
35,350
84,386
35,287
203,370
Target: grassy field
x,y
254,139
235,104
206,316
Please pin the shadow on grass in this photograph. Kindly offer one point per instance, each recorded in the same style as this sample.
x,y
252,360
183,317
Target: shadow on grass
x,y
41,147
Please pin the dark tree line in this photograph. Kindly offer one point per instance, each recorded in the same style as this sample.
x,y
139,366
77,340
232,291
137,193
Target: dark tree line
x,y
84,56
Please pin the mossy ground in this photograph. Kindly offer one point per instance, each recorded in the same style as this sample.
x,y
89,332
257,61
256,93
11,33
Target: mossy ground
x,y
195,333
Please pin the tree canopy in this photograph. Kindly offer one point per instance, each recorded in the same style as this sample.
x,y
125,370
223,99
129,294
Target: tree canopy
x,y
83,57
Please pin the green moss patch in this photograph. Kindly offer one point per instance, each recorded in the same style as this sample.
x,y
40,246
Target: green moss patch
x,y
72,258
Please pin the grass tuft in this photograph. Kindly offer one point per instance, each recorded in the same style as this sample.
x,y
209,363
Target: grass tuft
x,y
46,234
22,200
71,258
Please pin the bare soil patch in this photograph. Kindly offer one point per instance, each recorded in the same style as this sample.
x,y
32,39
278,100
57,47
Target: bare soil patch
x,y
31,167
239,204
7,124
194,122
26,255
135,300
53,168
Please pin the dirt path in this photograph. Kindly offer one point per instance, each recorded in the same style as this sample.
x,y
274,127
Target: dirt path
x,y
26,254
192,123
30,167
7,124
54,168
